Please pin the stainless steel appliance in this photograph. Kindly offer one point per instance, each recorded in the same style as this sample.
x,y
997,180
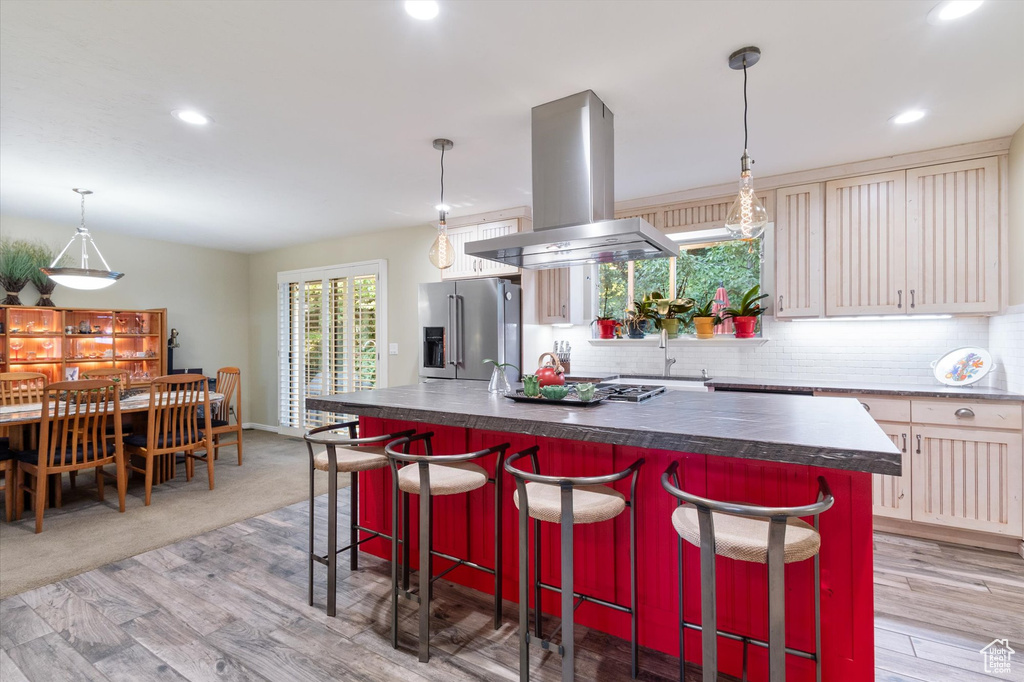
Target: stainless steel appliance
x,y
574,196
464,322
626,393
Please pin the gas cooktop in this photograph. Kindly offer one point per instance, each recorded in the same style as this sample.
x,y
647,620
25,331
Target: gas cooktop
x,y
626,393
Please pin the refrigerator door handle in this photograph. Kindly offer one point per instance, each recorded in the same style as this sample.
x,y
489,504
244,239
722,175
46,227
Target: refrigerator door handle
x,y
449,332
459,360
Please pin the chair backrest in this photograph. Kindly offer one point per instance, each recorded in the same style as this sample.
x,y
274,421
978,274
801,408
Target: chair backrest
x,y
174,402
19,388
121,376
74,436
229,383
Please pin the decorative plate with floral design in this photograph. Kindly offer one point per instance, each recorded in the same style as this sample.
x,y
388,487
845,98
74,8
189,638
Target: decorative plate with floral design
x,y
963,366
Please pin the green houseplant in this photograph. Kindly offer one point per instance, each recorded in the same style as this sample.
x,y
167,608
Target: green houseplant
x,y
638,318
17,261
705,319
44,257
669,312
744,315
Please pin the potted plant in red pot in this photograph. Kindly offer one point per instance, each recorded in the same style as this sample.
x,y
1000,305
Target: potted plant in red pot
x,y
744,315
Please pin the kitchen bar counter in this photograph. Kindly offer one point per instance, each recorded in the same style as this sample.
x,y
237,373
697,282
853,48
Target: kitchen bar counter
x,y
834,433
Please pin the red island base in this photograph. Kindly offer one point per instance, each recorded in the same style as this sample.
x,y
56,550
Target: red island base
x,y
464,527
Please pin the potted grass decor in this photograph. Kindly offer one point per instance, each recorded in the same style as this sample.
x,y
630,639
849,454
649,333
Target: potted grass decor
x,y
705,319
744,315
17,261
44,257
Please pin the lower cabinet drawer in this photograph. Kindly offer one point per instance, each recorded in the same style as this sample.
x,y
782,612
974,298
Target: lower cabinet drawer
x,y
880,409
967,478
970,413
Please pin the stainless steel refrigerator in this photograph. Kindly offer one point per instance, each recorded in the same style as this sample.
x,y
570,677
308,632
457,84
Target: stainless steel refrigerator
x,y
464,322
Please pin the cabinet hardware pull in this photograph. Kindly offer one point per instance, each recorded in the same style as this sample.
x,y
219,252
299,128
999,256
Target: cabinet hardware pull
x,y
899,298
964,413
563,310
901,496
912,304
780,304
867,408
919,443
904,443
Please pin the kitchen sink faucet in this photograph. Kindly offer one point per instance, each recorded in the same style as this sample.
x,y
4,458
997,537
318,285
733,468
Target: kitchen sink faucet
x,y
664,344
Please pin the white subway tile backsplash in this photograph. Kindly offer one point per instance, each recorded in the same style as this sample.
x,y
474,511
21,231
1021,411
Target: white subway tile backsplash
x,y
890,351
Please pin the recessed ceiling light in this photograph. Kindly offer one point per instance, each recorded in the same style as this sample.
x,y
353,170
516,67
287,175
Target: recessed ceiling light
x,y
908,116
952,9
191,116
422,9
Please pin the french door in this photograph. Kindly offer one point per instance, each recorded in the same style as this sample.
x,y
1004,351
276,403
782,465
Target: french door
x,y
332,325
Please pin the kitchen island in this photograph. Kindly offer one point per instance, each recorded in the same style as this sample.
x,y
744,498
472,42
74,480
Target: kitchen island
x,y
766,449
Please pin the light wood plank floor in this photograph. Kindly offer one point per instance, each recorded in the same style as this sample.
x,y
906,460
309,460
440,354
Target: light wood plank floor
x,y
230,605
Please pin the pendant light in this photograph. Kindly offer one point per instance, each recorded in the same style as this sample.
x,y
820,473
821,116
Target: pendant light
x,y
442,253
82,277
747,217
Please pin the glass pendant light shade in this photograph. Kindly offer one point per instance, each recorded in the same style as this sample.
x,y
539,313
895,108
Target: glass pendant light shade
x,y
747,216
442,252
82,277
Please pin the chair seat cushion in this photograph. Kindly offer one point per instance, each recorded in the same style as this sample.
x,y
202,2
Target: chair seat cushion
x,y
351,459
32,457
6,453
140,440
126,430
445,479
590,503
219,423
746,539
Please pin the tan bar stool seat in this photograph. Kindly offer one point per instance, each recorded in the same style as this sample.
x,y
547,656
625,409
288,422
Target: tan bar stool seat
x,y
590,503
353,459
445,479
745,538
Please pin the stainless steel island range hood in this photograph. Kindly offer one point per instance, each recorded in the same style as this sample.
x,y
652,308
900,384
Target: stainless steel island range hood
x,y
574,196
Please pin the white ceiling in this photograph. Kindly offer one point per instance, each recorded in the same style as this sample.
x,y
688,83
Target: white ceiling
x,y
325,111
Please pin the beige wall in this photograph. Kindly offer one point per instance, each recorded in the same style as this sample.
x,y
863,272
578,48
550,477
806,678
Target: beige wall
x,y
204,290
1016,201
405,250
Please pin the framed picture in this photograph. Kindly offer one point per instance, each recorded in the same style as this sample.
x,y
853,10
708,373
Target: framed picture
x,y
70,374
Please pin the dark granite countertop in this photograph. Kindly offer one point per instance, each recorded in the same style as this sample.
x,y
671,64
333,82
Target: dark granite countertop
x,y
797,385
827,432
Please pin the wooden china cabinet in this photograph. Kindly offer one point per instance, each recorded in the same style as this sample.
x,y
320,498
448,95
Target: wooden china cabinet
x,y
63,343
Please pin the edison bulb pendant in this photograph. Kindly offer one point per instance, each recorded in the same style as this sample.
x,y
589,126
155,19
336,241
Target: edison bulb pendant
x,y
747,217
442,253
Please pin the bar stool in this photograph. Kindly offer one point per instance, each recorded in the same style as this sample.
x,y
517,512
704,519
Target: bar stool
x,y
343,454
567,501
746,532
435,475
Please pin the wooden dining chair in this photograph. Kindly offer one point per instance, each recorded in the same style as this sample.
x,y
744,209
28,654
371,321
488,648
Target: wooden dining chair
x,y
121,376
73,438
173,426
229,384
16,388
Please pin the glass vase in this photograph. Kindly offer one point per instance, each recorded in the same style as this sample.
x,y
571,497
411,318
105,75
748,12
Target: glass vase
x,y
499,382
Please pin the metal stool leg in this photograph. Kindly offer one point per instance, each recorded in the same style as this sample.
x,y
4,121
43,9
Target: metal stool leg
x,y
682,617
332,538
708,616
425,564
497,545
536,576
354,521
406,544
568,635
632,584
524,591
312,515
394,552
777,600
817,612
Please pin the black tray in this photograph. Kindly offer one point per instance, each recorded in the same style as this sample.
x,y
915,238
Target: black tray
x,y
571,399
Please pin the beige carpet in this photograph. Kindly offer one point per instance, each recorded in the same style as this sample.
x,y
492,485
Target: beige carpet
x,y
85,534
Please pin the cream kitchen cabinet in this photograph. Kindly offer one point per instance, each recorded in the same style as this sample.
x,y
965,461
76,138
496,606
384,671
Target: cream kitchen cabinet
x,y
890,495
920,241
560,295
553,296
468,266
799,251
953,238
865,245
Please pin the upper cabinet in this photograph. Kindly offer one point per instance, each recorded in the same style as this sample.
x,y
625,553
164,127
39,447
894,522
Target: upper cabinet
x,y
924,240
799,251
953,238
865,245
470,266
